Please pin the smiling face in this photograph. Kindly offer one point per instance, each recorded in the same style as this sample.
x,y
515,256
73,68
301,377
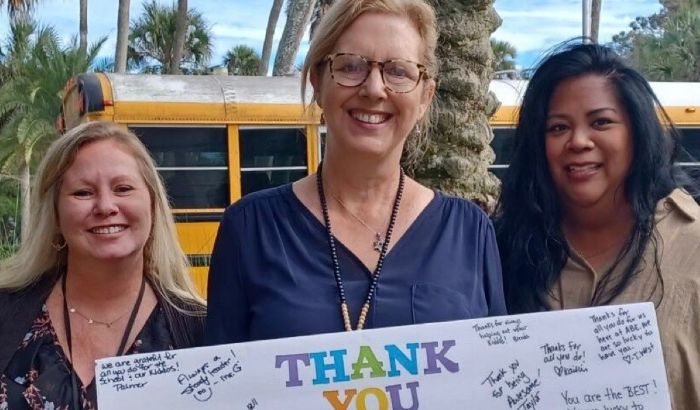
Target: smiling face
x,y
370,119
104,206
588,143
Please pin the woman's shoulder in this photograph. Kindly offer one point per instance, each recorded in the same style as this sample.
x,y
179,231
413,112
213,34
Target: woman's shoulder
x,y
460,207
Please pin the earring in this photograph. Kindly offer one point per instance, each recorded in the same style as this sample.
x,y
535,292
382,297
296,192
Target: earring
x,y
58,245
418,131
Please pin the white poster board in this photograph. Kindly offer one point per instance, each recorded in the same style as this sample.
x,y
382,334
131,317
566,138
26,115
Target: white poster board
x,y
606,358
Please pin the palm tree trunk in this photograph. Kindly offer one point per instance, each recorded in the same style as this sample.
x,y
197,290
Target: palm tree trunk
x,y
180,33
83,24
25,184
269,34
122,36
459,152
595,19
319,10
298,15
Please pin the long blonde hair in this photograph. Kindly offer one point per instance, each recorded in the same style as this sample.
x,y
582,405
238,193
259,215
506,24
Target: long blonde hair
x,y
165,264
344,12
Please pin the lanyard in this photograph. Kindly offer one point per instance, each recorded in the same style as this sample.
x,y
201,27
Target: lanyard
x,y
69,339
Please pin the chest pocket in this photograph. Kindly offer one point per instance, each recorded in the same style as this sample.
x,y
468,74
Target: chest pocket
x,y
433,303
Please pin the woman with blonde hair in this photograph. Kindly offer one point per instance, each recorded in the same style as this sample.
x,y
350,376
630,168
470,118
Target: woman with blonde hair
x,y
101,273
358,244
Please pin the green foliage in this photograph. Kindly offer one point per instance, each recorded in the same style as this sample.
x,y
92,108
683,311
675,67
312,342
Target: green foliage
x,y
504,55
152,36
34,67
242,60
666,45
9,216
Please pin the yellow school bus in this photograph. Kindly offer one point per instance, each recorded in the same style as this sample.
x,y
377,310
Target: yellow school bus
x,y
217,138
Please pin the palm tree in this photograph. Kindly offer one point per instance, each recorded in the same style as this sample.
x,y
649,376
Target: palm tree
x,y
122,36
319,11
35,68
83,24
595,19
298,15
19,8
152,39
269,34
180,33
242,60
459,153
504,55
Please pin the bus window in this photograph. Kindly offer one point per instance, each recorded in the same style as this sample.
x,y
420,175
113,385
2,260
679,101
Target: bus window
x,y
271,157
193,162
502,144
689,156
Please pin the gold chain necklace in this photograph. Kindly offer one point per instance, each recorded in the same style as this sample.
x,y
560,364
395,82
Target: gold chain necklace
x,y
379,239
92,321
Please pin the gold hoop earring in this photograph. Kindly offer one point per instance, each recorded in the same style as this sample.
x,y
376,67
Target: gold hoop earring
x,y
58,245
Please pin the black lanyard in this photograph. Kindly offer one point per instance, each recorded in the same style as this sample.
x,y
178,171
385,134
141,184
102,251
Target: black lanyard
x,y
69,339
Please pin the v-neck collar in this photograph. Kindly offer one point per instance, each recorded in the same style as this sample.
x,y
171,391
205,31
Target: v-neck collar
x,y
320,229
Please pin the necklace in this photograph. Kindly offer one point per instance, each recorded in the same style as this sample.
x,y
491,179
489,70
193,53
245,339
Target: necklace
x,y
95,321
378,242
69,336
334,253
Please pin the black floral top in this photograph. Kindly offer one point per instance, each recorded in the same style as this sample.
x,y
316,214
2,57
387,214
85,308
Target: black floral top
x,y
38,376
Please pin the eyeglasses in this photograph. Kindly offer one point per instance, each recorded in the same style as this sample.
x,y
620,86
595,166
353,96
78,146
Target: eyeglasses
x,y
352,70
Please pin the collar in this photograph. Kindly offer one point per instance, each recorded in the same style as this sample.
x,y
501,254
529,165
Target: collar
x,y
680,201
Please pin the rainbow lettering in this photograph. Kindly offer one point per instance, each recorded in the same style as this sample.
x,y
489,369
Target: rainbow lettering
x,y
334,366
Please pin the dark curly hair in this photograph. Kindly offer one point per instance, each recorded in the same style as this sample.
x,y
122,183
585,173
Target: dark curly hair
x,y
528,216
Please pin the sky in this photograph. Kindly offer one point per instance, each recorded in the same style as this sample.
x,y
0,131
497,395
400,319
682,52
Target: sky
x,y
532,26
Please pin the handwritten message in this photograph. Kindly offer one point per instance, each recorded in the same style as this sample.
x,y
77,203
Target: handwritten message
x,y
624,335
606,358
565,358
515,386
502,330
626,397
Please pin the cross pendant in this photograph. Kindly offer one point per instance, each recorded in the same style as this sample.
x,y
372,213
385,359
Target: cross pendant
x,y
378,243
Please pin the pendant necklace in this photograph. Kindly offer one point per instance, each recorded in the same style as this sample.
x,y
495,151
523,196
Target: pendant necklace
x,y
69,336
378,242
334,252
92,321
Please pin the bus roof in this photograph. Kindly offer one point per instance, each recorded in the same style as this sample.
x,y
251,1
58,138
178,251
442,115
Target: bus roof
x,y
286,90
206,89
670,94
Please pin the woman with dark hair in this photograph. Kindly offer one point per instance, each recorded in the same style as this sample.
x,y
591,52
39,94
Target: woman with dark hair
x,y
592,212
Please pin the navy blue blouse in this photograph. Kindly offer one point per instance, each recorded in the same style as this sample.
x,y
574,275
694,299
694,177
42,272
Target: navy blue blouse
x,y
271,273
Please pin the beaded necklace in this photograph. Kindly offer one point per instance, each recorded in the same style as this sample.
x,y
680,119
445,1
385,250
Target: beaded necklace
x,y
334,253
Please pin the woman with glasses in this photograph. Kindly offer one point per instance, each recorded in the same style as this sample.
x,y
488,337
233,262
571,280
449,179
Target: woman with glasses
x,y
358,244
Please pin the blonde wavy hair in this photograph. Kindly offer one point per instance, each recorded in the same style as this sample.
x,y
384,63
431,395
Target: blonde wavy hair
x,y
343,13
165,264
